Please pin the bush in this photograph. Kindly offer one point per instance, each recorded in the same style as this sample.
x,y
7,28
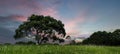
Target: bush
x,y
7,43
25,43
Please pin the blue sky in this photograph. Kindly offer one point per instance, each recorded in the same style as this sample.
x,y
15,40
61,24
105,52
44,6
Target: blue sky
x,y
81,17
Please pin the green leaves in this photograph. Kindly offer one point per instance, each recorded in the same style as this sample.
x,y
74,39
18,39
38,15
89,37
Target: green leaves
x,y
104,38
40,23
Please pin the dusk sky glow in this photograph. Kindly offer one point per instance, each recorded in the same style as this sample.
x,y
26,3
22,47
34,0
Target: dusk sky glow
x,y
81,17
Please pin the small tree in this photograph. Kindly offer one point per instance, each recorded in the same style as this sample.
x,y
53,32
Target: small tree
x,y
40,27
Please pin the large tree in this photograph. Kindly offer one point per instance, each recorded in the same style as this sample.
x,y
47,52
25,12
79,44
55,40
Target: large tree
x,y
42,28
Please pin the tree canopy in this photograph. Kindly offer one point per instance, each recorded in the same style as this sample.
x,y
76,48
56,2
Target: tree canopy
x,y
40,27
104,38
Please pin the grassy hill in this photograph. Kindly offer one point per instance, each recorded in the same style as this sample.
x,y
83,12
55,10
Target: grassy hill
x,y
56,49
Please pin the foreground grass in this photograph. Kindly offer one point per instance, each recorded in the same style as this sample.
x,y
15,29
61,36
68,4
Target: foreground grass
x,y
56,49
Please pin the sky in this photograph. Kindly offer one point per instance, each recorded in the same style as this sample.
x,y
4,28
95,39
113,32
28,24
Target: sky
x,y
81,17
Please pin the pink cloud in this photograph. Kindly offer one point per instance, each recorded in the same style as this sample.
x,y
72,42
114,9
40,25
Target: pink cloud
x,y
46,12
50,12
17,18
71,26
20,18
28,7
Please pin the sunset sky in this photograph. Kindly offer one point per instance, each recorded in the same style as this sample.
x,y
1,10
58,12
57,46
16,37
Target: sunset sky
x,y
81,17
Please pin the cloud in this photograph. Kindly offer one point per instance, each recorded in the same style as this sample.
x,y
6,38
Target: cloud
x,y
44,7
81,17
28,7
19,18
49,8
71,26
8,24
20,3
50,12
11,22
6,35
20,7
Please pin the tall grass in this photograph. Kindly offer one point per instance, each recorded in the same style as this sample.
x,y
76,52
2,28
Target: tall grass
x,y
56,49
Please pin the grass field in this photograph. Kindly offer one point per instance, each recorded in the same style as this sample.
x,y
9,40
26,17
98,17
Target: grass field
x,y
56,49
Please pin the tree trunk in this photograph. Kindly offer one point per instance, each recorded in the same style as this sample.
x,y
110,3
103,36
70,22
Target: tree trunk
x,y
37,37
38,42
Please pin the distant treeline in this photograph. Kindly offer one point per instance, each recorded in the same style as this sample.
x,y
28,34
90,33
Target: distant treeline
x,y
20,43
104,38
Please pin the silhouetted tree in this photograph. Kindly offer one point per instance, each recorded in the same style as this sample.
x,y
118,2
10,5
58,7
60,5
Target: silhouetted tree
x,y
97,38
104,38
41,27
115,37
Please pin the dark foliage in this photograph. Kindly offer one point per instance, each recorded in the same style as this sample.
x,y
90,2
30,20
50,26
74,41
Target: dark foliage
x,y
41,27
7,43
104,38
25,43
